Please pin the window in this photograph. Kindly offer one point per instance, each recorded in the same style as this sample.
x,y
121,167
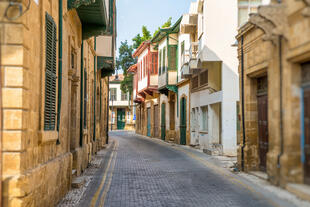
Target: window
x,y
164,60
172,57
50,74
195,82
159,64
113,95
204,78
204,118
245,7
124,96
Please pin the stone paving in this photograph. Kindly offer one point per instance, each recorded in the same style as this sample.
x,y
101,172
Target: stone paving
x,y
135,171
149,174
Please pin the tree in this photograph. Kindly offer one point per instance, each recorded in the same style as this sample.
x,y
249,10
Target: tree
x,y
166,24
123,62
137,40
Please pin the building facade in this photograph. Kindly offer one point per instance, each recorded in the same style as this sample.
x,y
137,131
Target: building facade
x,y
54,95
145,89
166,42
212,70
274,79
120,107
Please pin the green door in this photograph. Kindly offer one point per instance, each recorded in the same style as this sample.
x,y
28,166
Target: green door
x,y
120,119
149,122
163,121
183,122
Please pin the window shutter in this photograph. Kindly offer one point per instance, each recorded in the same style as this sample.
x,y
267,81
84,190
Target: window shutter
x,y
172,58
50,74
159,63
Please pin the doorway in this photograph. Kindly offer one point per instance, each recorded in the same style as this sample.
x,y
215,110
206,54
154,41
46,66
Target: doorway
x,y
156,121
120,119
148,122
262,110
306,121
163,121
183,122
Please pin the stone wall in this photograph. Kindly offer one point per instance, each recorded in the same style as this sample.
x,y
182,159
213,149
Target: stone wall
x,y
37,164
269,53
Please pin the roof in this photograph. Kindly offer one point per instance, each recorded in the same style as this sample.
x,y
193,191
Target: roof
x,y
165,31
141,48
117,78
132,69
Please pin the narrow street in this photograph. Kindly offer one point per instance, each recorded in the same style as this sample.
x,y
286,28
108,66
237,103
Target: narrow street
x,y
140,171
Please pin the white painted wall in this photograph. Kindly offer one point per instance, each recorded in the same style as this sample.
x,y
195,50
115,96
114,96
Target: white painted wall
x,y
217,26
118,101
142,83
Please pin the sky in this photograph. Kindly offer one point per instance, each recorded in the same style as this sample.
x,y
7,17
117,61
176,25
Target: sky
x,y
133,14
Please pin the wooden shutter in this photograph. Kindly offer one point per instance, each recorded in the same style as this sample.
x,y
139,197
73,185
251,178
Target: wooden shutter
x,y
172,58
159,63
50,74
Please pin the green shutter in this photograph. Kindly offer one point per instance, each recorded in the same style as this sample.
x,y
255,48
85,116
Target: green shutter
x,y
159,64
164,60
172,57
50,74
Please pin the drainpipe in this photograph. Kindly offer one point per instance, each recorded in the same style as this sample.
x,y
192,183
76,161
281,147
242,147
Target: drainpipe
x,y
242,104
95,91
59,67
281,106
82,97
108,106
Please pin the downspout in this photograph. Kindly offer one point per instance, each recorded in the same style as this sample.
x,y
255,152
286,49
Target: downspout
x,y
281,106
59,67
108,106
242,104
82,97
95,91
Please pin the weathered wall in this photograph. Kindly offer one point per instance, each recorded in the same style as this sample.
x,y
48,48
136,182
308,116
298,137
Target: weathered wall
x,y
37,169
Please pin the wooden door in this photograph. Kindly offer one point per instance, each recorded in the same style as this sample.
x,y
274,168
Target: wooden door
x,y
156,121
306,137
262,109
120,119
163,121
149,122
306,121
183,122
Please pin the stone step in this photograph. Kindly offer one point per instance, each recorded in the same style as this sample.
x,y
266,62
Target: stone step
x,y
300,190
78,182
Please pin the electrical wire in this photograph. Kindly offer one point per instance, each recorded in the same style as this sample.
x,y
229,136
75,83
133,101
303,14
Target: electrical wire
x,y
21,12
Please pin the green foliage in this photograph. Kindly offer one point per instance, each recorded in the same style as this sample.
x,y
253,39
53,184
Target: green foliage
x,y
137,40
123,62
168,23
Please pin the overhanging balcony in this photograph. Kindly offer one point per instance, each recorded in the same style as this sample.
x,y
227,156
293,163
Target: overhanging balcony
x,y
185,58
93,15
189,23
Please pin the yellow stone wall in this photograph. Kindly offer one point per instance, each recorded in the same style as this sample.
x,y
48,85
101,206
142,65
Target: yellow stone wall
x,y
35,170
263,57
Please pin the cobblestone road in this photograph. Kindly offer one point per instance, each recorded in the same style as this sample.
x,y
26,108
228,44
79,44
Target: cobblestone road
x,y
148,173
